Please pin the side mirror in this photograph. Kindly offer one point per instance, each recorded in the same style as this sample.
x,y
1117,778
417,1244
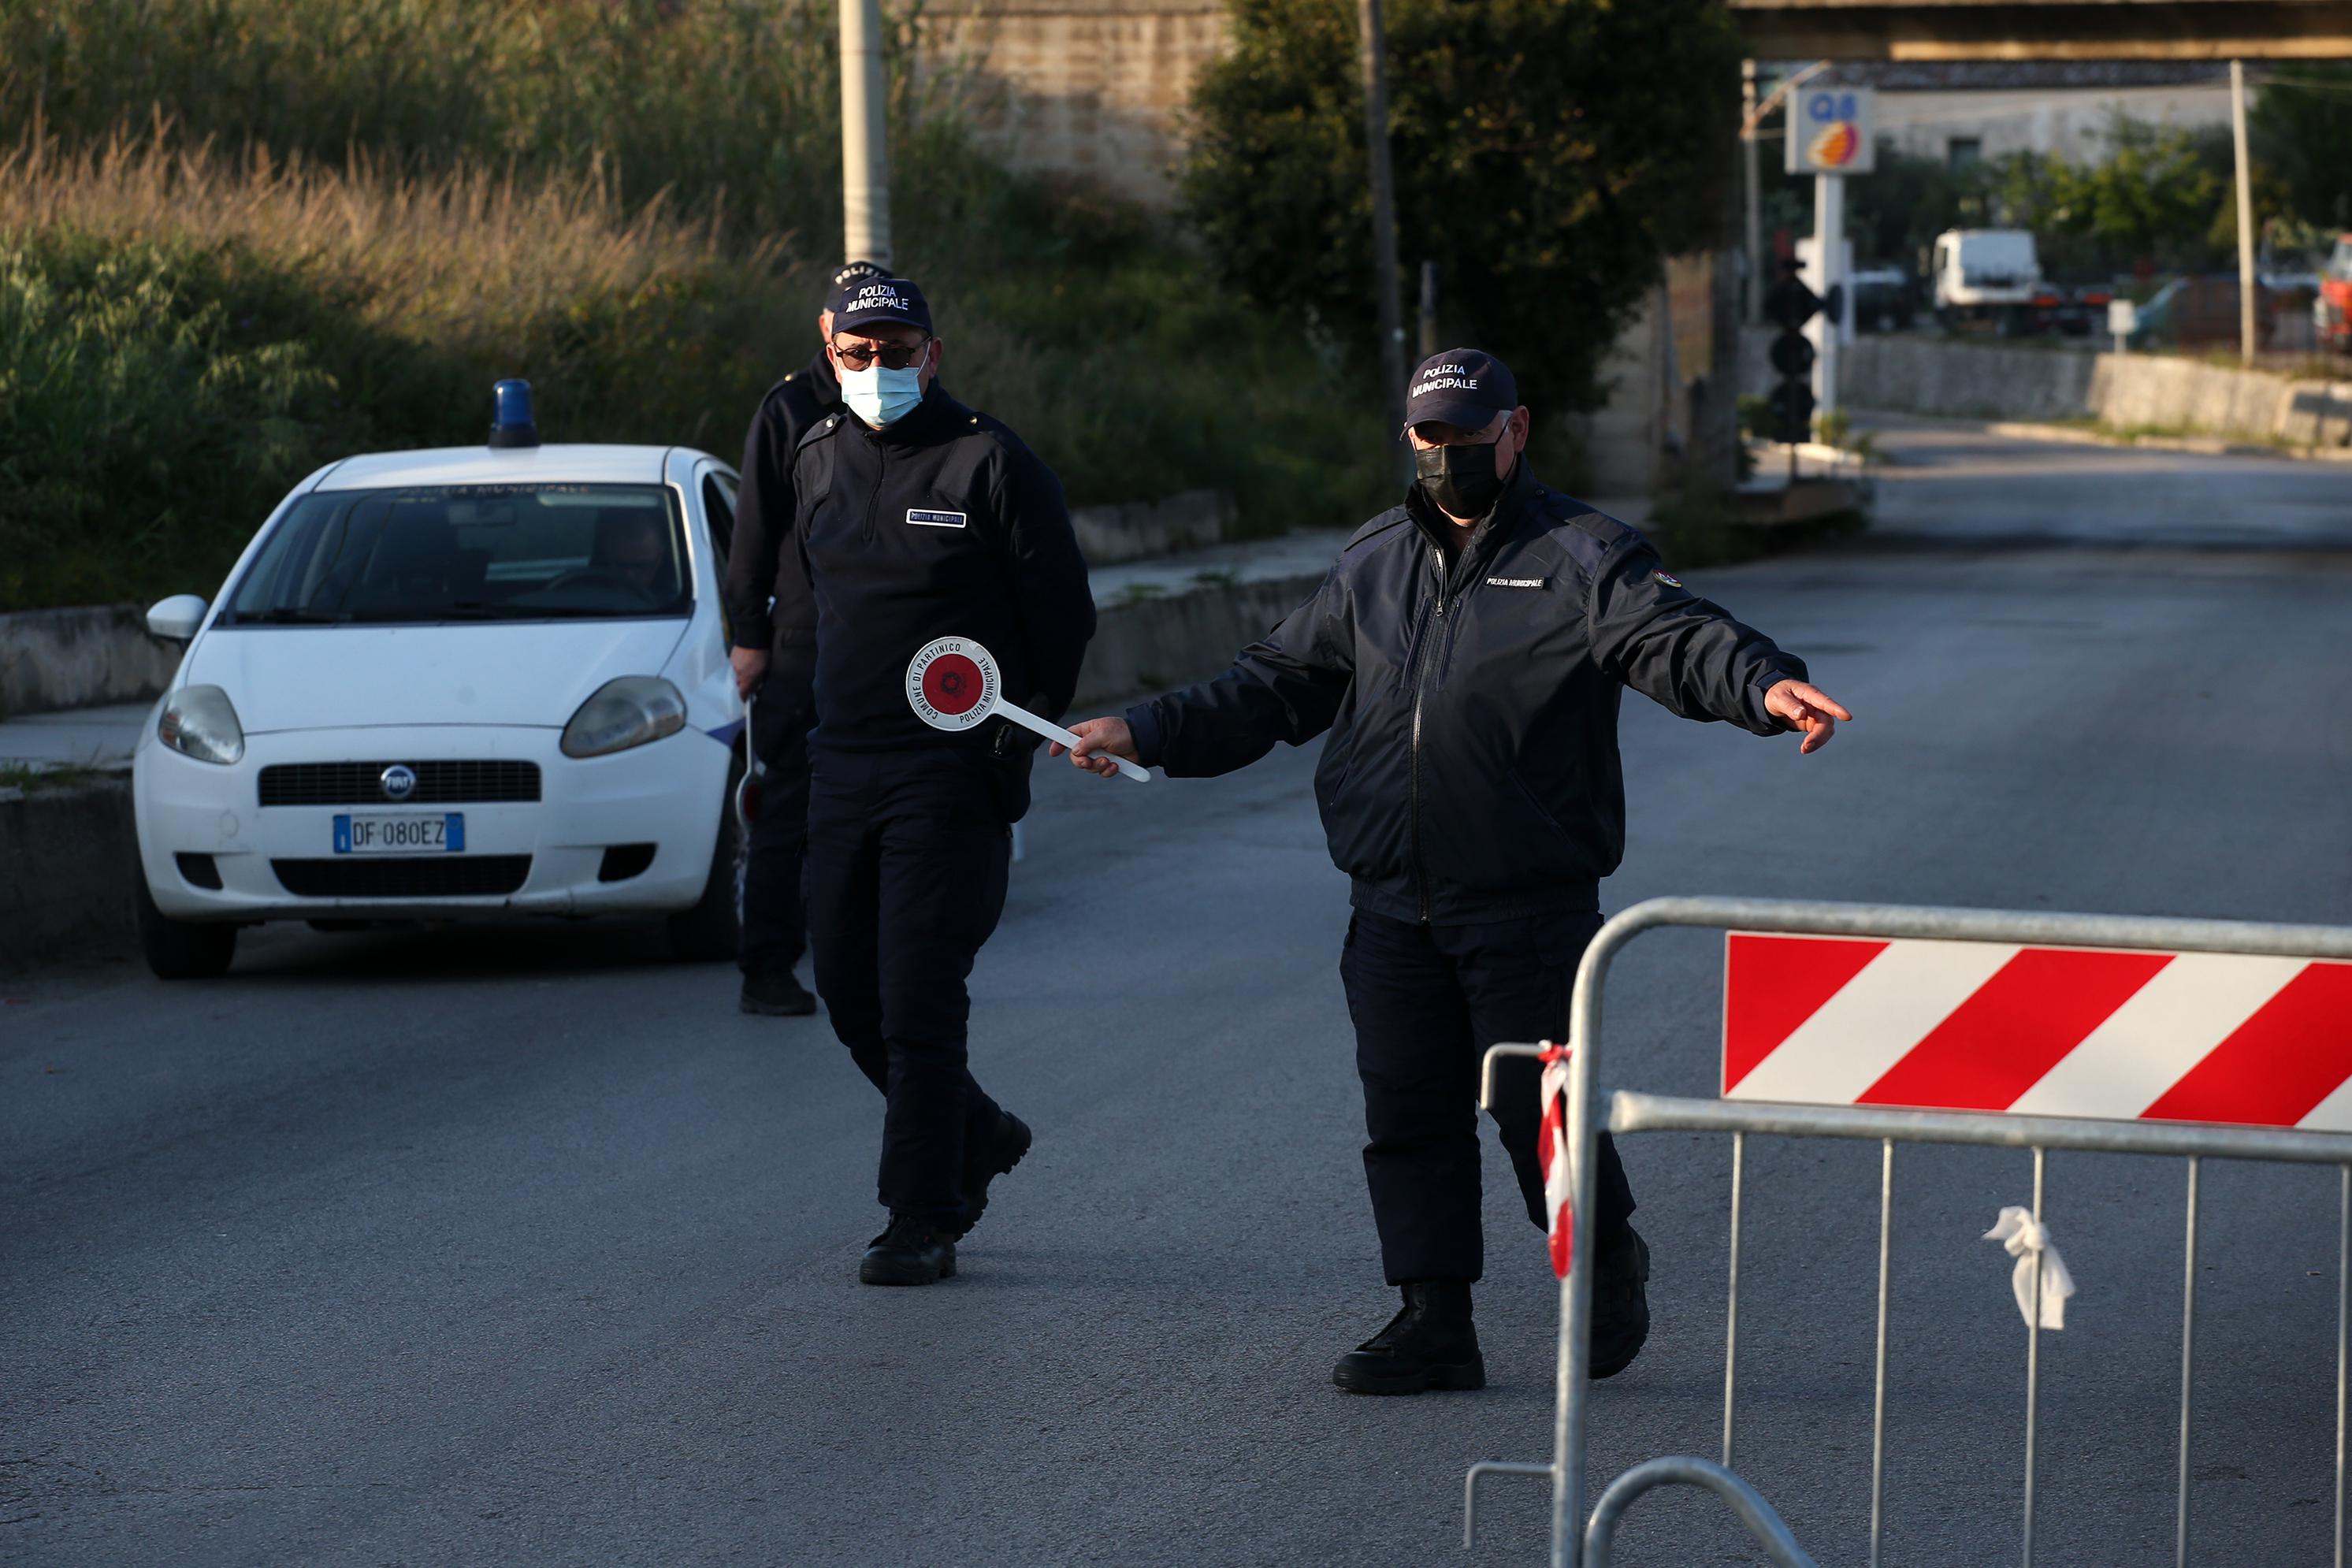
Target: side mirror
x,y
178,617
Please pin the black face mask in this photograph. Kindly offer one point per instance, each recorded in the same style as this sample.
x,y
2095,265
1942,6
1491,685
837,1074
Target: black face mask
x,y
1460,479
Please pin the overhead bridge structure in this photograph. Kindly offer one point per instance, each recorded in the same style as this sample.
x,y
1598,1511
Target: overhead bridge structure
x,y
2046,29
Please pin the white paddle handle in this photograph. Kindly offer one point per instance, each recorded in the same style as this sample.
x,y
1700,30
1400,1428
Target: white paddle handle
x,y
1051,731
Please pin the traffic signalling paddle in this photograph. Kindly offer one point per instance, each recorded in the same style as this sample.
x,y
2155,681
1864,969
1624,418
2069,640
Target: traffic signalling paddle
x,y
951,684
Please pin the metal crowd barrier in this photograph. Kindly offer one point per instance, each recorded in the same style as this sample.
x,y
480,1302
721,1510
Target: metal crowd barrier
x,y
1578,1541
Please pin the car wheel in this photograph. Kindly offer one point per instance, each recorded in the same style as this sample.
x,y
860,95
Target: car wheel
x,y
182,950
710,930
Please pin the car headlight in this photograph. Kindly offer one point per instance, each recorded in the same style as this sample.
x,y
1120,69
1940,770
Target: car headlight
x,y
623,713
199,722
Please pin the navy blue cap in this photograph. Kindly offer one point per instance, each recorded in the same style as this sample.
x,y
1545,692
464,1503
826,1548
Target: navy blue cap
x,y
1461,386
871,301
858,272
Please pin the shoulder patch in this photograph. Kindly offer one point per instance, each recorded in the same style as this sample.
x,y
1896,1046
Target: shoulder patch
x,y
1668,578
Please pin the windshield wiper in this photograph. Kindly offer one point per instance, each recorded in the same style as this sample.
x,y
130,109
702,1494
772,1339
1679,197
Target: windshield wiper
x,y
506,610
288,615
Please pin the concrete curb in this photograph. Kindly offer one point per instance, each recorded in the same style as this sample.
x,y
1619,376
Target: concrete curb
x,y
2203,445
68,854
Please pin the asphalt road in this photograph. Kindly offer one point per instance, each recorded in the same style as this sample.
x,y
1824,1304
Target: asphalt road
x,y
524,1247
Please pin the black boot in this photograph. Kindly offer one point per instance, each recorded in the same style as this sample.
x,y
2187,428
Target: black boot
x,y
1621,1306
909,1253
989,1158
777,995
1429,1344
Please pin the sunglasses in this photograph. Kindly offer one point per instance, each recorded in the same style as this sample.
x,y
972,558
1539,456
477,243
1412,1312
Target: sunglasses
x,y
894,356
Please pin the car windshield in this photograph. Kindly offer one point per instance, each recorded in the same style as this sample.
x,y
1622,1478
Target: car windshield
x,y
442,552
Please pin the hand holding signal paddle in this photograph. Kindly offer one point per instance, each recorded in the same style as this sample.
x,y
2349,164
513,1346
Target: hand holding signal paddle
x,y
953,684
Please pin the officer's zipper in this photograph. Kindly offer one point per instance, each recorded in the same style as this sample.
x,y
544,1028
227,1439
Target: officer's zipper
x,y
874,503
1433,632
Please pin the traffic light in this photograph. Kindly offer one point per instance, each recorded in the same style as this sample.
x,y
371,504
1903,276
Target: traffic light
x,y
1789,305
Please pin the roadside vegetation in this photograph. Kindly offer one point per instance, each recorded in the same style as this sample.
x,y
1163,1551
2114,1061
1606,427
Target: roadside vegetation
x,y
239,238
1547,158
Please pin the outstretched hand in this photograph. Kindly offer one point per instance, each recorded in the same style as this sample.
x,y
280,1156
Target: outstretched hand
x,y
1099,740
1806,708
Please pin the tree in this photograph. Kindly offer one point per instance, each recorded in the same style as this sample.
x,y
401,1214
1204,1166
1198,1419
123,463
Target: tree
x,y
2301,124
1549,154
1895,212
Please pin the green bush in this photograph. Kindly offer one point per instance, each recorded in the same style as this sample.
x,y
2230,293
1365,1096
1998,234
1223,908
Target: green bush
x,y
122,369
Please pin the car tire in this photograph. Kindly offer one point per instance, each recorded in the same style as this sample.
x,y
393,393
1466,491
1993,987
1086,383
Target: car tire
x,y
710,932
182,950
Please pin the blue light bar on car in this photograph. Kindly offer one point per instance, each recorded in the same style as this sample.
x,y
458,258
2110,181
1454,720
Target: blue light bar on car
x,y
510,421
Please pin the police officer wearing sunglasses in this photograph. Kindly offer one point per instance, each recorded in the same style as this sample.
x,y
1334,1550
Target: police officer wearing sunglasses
x,y
774,932
916,518
1465,655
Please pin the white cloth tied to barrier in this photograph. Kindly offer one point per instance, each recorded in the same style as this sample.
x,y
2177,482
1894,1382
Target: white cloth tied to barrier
x,y
2026,1239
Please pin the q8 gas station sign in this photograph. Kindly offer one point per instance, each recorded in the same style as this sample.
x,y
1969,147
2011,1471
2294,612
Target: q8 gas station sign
x,y
1830,131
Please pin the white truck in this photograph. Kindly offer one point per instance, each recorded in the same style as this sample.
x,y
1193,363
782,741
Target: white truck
x,y
1989,276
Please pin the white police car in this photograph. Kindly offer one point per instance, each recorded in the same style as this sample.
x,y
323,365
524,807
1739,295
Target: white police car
x,y
447,685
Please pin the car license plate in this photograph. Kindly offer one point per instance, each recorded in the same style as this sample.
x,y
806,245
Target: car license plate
x,y
438,834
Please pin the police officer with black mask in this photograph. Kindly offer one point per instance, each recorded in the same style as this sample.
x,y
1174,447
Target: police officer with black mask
x,y
914,519
1467,653
774,932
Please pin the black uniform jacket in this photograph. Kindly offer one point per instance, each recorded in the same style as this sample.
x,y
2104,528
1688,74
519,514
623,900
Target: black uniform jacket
x,y
763,511
942,524
1472,770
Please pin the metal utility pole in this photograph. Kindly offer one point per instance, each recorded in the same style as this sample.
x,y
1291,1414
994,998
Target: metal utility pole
x,y
1753,237
1384,239
1829,235
865,163
2245,214
1428,308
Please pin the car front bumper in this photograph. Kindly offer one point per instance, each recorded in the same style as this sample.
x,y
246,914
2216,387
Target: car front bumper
x,y
668,794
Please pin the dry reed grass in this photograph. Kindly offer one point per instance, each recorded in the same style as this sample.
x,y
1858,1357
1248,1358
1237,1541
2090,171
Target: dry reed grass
x,y
462,253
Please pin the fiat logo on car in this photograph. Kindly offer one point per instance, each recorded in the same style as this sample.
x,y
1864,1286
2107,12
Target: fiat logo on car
x,y
399,781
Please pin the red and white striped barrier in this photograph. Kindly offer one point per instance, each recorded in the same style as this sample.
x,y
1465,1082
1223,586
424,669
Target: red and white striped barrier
x,y
2041,1031
1551,1156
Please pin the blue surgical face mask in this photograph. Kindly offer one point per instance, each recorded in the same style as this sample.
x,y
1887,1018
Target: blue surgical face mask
x,y
880,395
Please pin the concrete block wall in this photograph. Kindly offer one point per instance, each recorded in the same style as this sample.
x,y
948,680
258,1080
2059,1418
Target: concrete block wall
x,y
2140,390
55,660
1937,376
1137,530
1151,645
1931,375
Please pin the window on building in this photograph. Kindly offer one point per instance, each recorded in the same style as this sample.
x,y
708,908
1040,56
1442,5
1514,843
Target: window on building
x,y
1963,153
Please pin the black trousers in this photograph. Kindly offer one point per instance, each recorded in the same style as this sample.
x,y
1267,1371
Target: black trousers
x,y
775,932
1427,1001
907,857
